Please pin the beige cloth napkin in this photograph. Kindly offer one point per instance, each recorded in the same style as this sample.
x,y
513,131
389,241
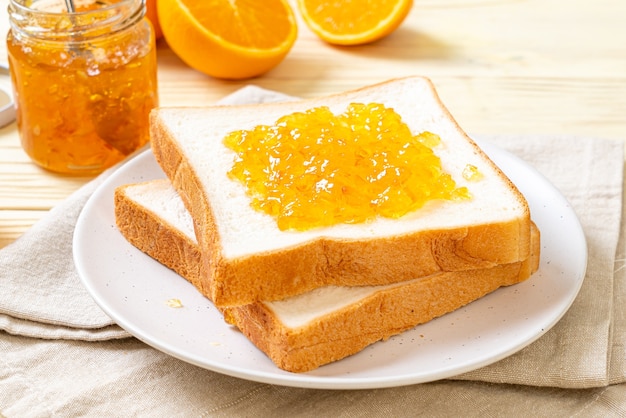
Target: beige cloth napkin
x,y
81,364
41,295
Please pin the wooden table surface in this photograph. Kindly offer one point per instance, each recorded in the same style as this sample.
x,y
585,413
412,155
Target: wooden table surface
x,y
500,66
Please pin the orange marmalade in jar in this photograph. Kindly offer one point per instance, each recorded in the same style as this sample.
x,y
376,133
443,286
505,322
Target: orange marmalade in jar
x,y
84,82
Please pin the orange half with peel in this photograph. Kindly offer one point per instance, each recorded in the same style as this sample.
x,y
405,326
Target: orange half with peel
x,y
231,39
353,22
151,14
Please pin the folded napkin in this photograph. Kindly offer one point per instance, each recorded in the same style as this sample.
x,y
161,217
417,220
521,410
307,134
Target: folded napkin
x,y
41,295
81,361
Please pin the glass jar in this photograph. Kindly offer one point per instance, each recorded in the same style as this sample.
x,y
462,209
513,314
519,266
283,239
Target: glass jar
x,y
84,82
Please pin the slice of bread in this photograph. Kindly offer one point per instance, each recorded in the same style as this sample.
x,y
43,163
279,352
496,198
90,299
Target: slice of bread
x,y
247,258
304,332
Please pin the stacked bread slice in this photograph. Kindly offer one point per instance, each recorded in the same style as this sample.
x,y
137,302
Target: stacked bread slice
x,y
307,298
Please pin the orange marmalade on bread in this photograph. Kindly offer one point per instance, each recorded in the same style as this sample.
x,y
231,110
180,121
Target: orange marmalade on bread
x,y
314,168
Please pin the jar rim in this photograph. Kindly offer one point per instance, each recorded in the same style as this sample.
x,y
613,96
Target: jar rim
x,y
105,5
114,15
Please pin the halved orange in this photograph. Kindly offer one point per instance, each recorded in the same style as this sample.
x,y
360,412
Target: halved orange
x,y
353,22
151,14
232,39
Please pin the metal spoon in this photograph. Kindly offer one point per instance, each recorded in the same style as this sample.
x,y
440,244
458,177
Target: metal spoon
x,y
125,139
70,6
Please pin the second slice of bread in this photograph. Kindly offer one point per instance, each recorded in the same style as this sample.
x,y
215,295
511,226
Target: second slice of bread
x,y
304,332
246,258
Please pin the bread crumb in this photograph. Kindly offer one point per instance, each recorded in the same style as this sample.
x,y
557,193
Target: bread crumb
x,y
174,303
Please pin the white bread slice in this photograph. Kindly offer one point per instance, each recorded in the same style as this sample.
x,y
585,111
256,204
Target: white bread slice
x,y
247,258
304,332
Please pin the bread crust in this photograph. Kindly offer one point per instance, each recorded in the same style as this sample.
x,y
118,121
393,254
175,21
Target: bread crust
x,y
378,317
275,275
340,333
148,232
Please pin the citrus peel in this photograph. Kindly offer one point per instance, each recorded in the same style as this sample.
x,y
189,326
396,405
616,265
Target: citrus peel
x,y
353,22
228,39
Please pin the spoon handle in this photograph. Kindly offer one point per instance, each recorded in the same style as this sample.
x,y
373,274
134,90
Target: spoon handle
x,y
70,6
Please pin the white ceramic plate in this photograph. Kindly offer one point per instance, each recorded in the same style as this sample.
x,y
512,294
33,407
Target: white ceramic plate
x,y
134,289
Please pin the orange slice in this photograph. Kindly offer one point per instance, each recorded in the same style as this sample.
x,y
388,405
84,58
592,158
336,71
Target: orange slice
x,y
353,22
228,38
